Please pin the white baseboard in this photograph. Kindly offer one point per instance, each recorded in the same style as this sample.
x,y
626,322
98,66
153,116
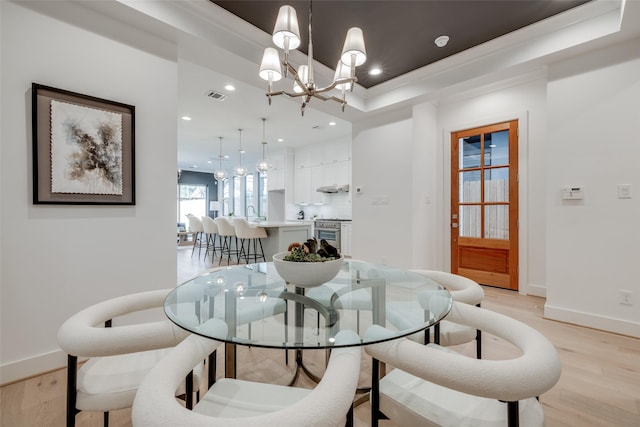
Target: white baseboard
x,y
609,324
536,290
32,366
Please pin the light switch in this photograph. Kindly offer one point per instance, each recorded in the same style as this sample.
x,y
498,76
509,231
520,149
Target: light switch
x,y
624,191
573,193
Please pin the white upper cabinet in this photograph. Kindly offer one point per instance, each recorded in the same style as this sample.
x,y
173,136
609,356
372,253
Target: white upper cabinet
x,y
320,165
281,172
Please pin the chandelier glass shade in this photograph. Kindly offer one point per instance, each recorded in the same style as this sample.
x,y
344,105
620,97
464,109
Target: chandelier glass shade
x,y
220,174
286,36
262,166
240,170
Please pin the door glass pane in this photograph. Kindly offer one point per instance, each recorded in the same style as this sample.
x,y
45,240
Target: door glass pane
x,y
469,224
469,152
496,222
469,186
496,185
496,148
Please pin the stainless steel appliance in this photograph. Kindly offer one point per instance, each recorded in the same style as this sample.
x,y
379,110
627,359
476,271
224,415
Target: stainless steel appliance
x,y
329,230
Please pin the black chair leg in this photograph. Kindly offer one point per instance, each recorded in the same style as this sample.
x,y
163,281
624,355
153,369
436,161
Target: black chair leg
x,y
513,415
375,392
189,391
105,419
349,422
72,368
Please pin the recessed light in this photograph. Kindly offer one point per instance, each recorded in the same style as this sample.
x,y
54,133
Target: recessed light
x,y
280,140
242,151
441,41
332,123
230,87
186,118
375,71
195,166
209,161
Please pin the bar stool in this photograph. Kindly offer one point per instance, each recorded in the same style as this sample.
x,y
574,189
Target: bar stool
x,y
246,231
195,225
211,232
227,231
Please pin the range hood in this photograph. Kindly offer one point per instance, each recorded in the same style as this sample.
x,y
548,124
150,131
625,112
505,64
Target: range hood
x,y
330,189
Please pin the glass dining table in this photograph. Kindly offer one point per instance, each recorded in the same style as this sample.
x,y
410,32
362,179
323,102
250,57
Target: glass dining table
x,y
255,303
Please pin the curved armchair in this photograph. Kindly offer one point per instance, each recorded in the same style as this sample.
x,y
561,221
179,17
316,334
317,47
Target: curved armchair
x,y
119,356
238,403
433,386
447,332
246,231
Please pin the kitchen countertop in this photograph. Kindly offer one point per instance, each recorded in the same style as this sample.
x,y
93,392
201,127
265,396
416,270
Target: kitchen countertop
x,y
270,224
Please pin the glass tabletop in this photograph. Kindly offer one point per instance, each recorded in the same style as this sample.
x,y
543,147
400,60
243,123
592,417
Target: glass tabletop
x,y
252,305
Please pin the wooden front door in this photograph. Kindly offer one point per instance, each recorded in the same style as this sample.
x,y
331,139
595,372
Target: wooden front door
x,y
484,204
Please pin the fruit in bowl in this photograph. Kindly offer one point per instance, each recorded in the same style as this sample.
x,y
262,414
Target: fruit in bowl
x,y
306,269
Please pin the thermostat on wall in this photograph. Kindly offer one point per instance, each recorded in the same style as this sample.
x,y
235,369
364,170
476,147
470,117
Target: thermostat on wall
x,y
572,193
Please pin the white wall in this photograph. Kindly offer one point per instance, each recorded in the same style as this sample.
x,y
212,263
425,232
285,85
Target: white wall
x,y
381,166
577,127
57,260
592,244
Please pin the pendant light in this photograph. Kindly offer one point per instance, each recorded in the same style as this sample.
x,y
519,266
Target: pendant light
x,y
240,170
263,166
220,174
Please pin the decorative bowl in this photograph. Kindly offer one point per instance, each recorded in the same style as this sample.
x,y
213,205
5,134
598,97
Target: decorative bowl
x,y
306,274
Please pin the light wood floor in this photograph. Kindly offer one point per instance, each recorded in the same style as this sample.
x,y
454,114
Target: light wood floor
x,y
599,386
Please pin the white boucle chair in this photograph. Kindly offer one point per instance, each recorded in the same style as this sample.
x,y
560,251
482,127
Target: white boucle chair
x,y
238,403
446,333
432,386
119,357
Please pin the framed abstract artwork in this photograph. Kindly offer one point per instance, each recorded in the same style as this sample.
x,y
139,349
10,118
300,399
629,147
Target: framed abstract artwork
x,y
83,149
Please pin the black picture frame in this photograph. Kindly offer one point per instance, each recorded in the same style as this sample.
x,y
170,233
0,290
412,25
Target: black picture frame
x,y
83,149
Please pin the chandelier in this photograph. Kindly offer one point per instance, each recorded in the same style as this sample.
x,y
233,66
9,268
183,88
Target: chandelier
x,y
220,174
286,36
240,170
262,166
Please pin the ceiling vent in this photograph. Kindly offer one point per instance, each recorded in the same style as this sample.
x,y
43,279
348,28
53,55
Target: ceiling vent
x,y
216,95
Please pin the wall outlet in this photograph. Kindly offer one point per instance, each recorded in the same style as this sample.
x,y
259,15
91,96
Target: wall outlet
x,y
625,297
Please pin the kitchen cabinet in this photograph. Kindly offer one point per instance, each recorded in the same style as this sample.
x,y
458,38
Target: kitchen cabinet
x,y
320,165
307,181
281,170
345,239
301,185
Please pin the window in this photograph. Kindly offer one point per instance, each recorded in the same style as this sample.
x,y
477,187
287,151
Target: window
x,y
250,196
192,199
262,200
238,199
226,208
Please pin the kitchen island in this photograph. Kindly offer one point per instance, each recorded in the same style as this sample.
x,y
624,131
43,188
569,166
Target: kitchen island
x,y
281,234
